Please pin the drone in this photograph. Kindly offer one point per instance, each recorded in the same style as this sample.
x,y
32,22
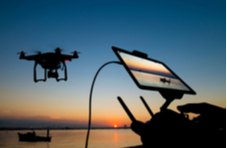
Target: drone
x,y
164,80
51,62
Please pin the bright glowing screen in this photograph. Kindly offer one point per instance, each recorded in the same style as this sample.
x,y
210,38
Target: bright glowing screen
x,y
151,74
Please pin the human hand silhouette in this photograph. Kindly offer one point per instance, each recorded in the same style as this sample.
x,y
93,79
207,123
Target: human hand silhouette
x,y
208,129
209,115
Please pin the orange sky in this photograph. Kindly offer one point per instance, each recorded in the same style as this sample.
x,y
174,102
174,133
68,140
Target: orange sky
x,y
138,63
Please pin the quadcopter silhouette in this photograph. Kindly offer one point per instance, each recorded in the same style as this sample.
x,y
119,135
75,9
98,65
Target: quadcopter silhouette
x,y
51,62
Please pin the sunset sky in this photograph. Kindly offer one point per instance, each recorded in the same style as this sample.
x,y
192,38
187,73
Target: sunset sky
x,y
189,36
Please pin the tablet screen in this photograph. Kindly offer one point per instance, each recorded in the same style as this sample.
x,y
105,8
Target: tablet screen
x,y
151,74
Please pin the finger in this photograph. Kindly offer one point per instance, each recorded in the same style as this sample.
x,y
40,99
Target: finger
x,y
200,108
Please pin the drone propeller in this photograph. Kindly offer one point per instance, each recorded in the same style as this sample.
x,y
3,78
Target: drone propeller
x,y
21,53
75,51
76,54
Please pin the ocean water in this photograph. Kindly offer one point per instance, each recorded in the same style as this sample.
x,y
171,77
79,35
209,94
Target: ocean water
x,y
104,138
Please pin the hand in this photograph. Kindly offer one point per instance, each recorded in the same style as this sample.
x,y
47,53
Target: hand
x,y
138,127
210,115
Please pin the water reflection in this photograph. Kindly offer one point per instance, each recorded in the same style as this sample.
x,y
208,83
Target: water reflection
x,y
114,138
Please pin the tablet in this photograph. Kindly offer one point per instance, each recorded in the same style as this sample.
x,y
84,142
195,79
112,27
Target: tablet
x,y
151,74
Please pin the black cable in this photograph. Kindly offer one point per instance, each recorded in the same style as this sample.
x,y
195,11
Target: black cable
x,y
90,98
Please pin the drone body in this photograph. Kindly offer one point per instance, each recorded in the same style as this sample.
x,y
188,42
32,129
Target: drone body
x,y
51,62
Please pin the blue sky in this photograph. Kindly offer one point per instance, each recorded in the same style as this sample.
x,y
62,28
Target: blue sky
x,y
189,36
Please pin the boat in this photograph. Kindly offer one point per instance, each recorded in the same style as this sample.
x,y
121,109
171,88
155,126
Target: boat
x,y
33,137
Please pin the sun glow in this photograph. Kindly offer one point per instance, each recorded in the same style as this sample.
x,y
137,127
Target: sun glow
x,y
115,126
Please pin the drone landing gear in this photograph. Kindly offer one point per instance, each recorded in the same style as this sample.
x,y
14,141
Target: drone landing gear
x,y
35,74
52,73
65,74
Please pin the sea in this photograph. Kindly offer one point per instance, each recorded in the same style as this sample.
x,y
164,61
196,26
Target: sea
x,y
99,138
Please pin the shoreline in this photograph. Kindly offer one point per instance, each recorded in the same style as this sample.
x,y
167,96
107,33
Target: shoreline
x,y
61,128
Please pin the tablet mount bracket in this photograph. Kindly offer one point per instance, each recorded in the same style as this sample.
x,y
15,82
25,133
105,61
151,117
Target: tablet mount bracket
x,y
169,96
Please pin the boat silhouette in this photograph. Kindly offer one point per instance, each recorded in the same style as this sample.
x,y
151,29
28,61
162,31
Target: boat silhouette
x,y
33,137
